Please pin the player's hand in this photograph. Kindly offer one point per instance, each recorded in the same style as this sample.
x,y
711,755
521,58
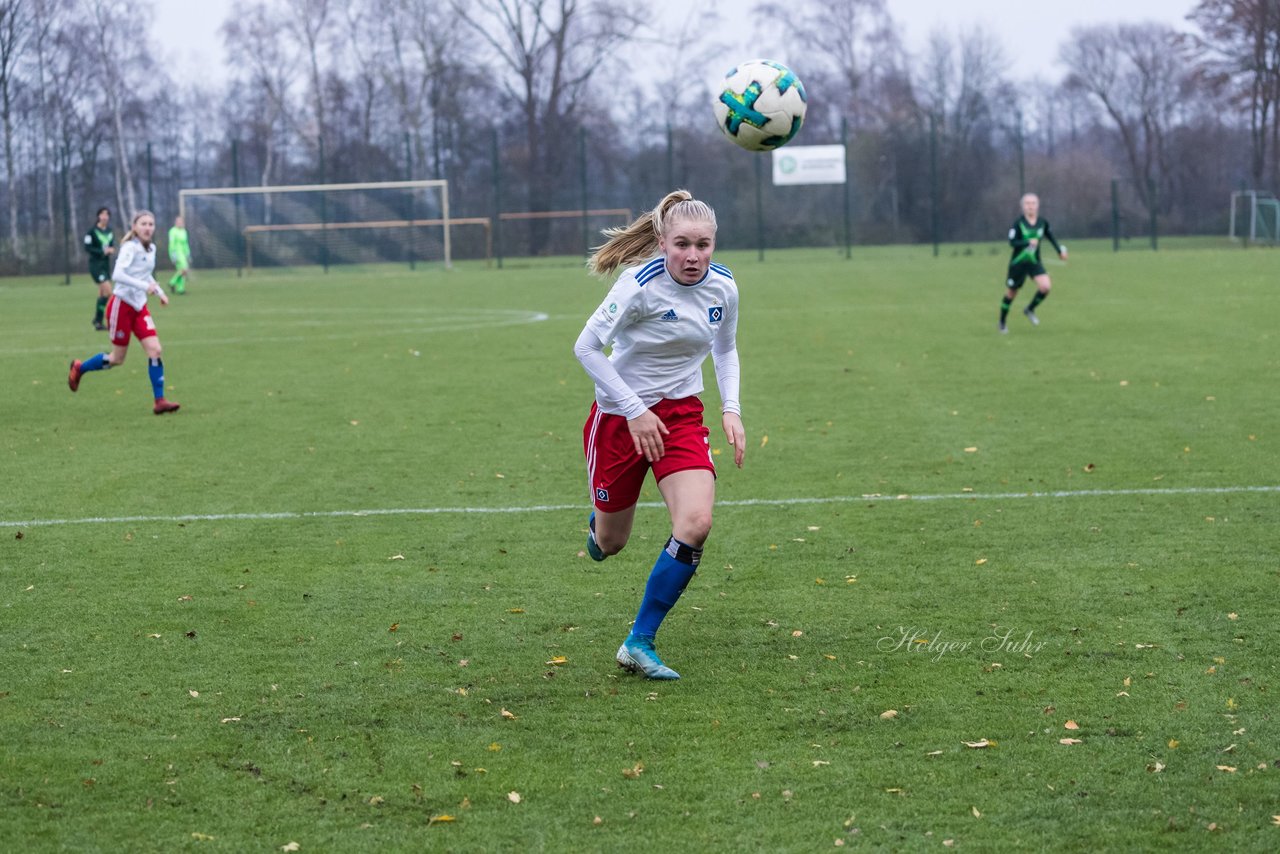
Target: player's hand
x,y
1063,254
164,299
1033,242
647,431
109,250
736,435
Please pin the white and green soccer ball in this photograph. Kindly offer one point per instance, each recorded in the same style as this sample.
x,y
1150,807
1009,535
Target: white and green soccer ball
x,y
760,105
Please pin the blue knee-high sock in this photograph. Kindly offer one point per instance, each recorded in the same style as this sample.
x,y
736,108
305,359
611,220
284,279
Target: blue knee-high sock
x,y
671,573
96,362
155,370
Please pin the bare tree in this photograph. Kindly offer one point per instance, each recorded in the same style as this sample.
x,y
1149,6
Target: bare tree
x,y
548,51
123,56
267,73
1138,74
1240,45
16,23
309,24
856,40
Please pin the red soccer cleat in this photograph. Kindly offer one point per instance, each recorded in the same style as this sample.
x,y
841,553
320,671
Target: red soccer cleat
x,y
162,406
73,376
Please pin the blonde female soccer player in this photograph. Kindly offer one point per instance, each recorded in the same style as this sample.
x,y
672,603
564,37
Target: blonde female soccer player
x,y
127,312
669,309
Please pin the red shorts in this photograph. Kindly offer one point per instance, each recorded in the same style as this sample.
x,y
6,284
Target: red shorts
x,y
616,472
123,319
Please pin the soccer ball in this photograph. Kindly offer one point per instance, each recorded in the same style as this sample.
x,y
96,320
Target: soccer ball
x,y
761,105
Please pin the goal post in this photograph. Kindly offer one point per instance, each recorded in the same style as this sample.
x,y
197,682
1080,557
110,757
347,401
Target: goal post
x,y
388,222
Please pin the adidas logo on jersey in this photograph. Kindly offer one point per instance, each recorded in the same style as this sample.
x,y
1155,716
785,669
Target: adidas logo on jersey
x,y
670,315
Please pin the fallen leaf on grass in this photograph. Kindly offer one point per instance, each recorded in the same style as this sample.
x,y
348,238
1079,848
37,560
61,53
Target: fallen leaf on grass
x,y
1230,748
597,821
396,557
934,753
1230,769
229,720
440,819
1071,725
980,561
557,660
202,837
510,716
153,636
377,801
194,693
514,797
395,627
764,440
889,715
1155,767
515,610
979,744
797,634
971,450
1070,741
1233,616
975,812
818,763
291,846
634,771
1275,819
1173,744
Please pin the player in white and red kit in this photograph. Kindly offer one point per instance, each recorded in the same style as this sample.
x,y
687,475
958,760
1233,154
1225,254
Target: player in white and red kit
x,y
127,312
662,318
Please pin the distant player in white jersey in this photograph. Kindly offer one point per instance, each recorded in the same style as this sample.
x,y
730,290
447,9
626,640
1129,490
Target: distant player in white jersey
x,y
662,318
127,312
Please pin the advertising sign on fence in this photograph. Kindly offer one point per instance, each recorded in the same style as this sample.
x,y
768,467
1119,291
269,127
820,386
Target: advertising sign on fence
x,y
808,164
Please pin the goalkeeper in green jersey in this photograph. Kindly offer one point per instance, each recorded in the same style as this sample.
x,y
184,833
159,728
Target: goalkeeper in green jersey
x,y
1025,237
180,255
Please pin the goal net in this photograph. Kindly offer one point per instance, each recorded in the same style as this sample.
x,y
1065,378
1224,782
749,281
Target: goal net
x,y
392,222
1255,217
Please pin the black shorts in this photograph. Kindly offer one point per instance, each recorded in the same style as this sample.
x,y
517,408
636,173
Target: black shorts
x,y
100,272
1018,273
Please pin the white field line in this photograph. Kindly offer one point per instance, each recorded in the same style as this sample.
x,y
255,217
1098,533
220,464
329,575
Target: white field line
x,y
469,321
581,507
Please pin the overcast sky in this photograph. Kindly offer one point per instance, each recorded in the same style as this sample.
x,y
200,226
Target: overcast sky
x,y
1031,32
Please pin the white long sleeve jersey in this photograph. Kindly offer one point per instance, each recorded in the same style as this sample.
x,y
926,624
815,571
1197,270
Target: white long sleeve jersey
x,y
133,275
661,332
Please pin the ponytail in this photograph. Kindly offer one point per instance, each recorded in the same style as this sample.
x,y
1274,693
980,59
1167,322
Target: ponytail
x,y
639,240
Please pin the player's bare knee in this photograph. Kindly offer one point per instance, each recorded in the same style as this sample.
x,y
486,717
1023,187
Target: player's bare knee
x,y
694,528
609,545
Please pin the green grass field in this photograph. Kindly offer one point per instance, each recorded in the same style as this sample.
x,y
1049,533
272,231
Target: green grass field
x,y
339,601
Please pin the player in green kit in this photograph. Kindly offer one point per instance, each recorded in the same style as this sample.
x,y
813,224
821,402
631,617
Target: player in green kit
x,y
100,244
1025,237
180,255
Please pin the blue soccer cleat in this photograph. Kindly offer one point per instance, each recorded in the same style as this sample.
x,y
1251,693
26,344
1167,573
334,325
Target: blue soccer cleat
x,y
593,548
637,655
